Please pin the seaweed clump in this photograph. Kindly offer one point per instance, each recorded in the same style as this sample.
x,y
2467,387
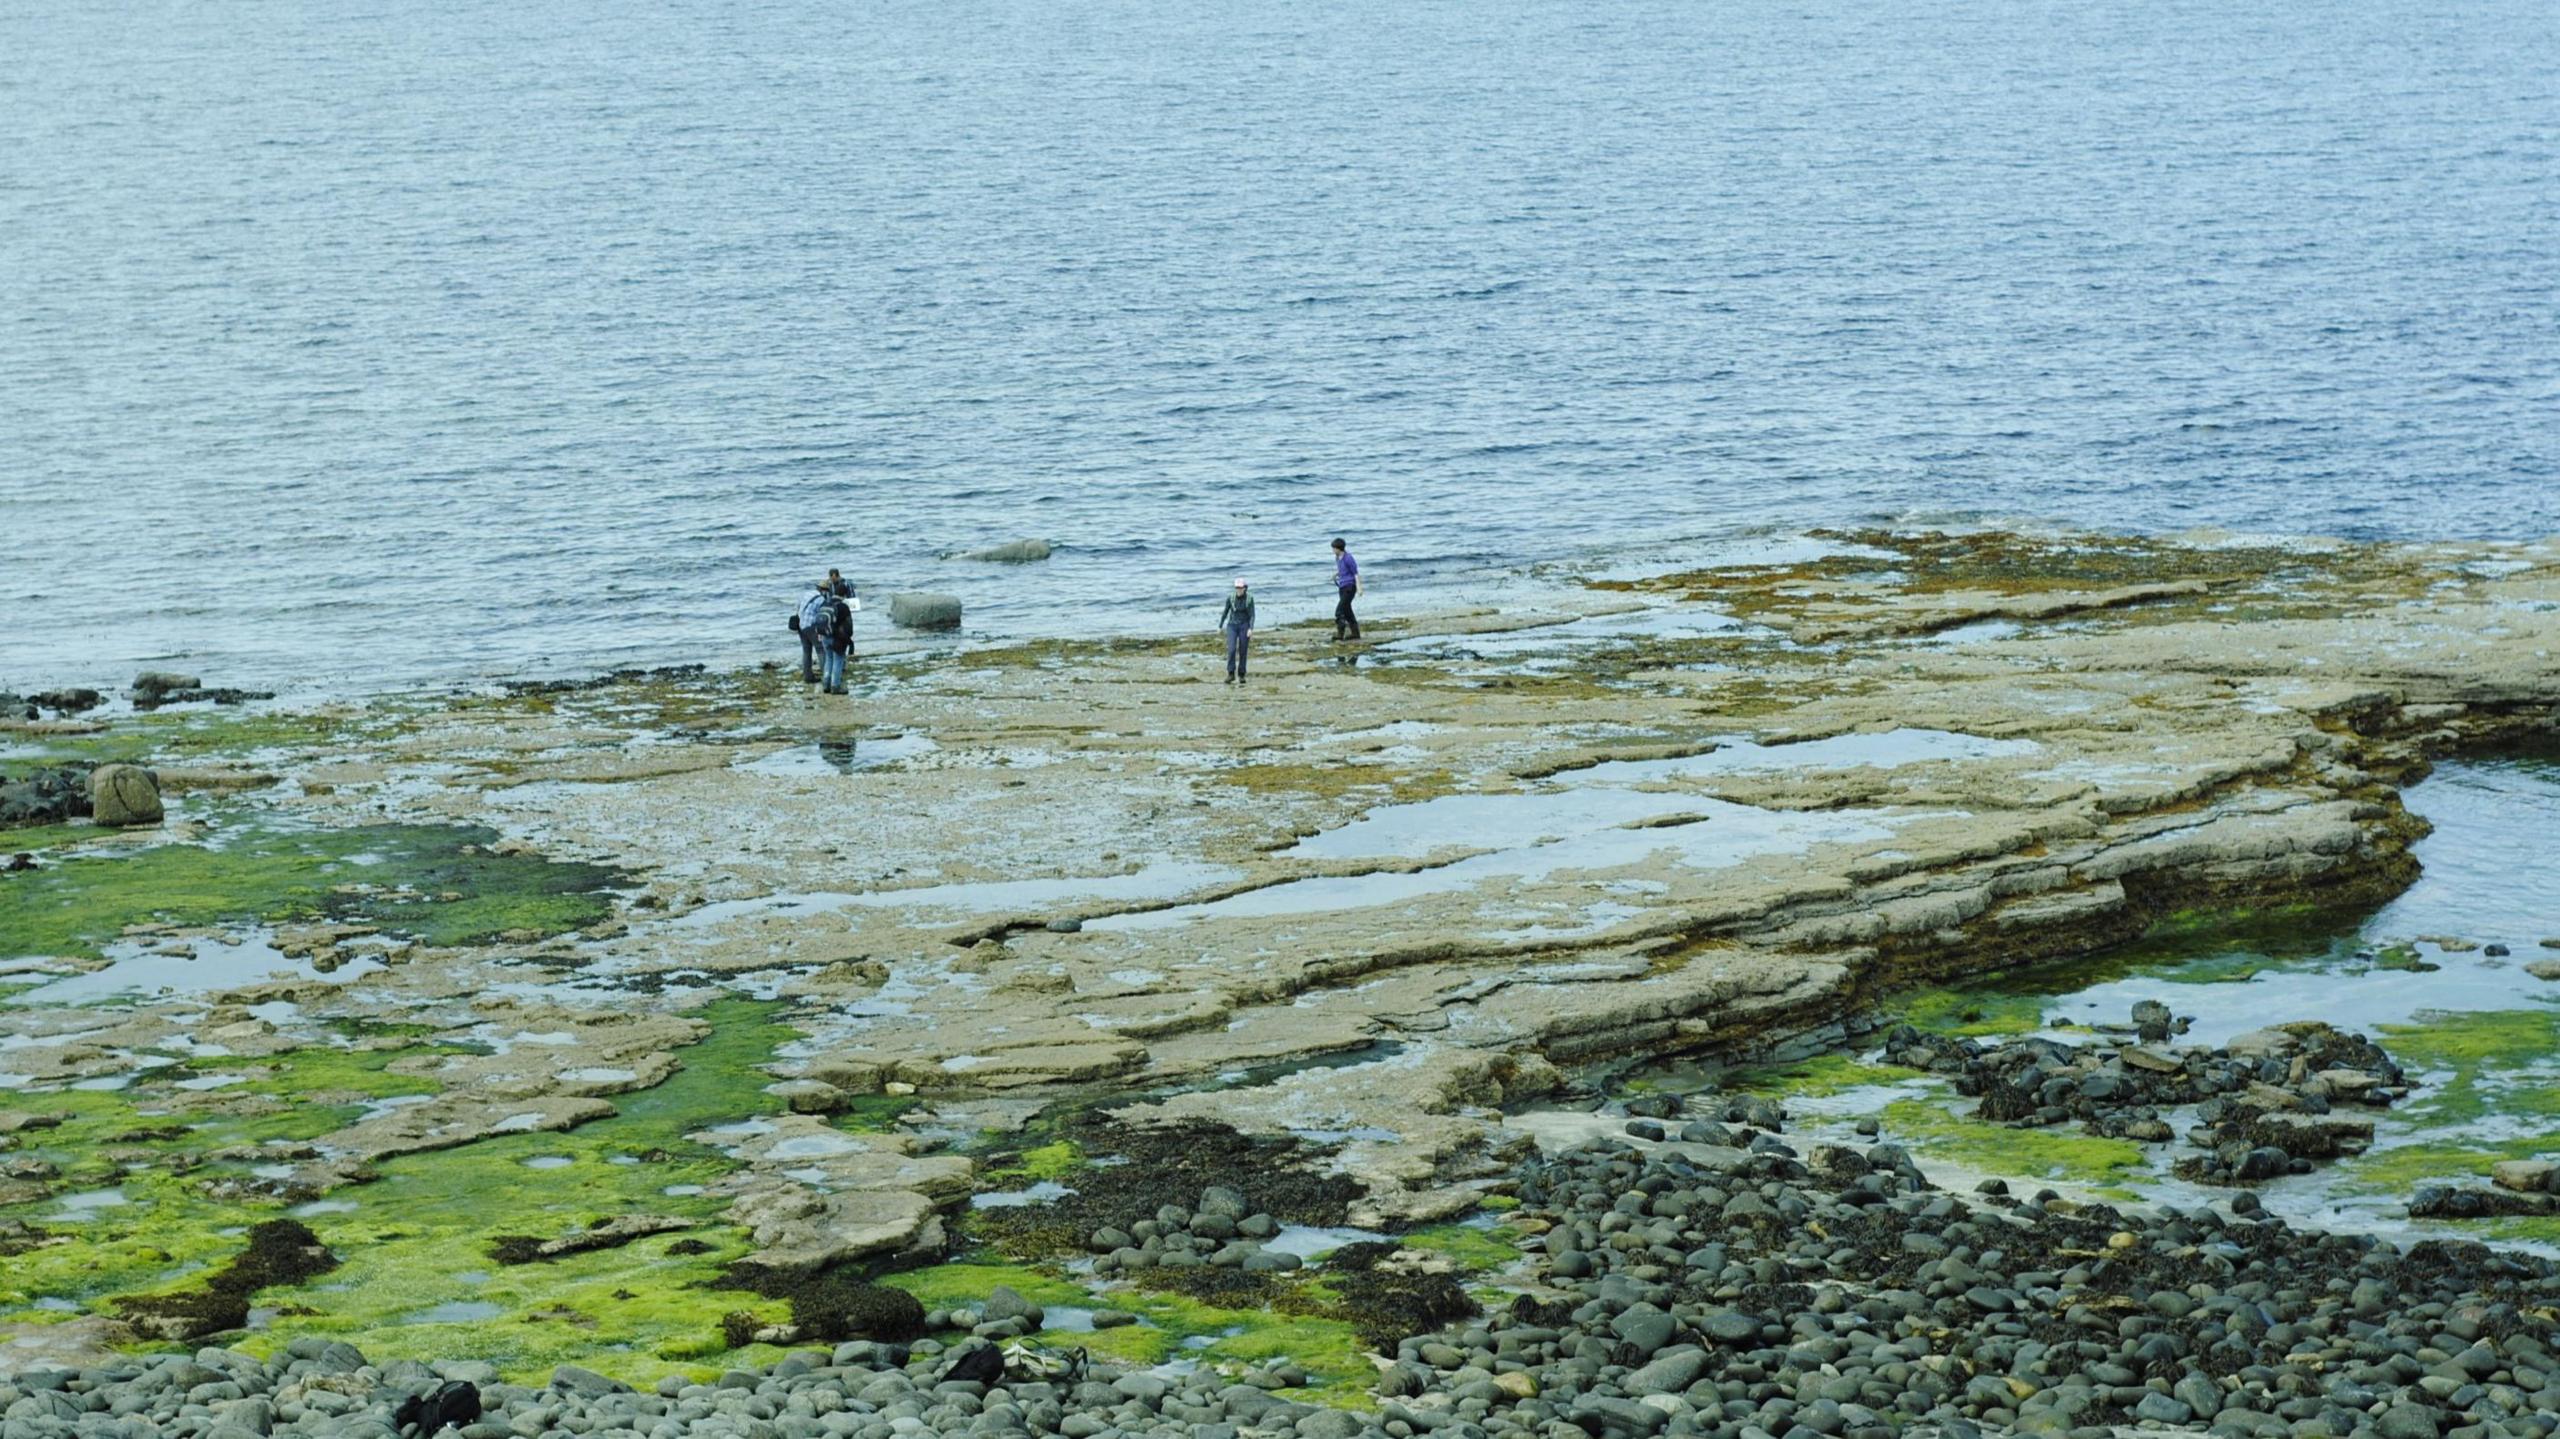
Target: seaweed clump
x,y
827,1305
280,1251
1386,1303
1167,1160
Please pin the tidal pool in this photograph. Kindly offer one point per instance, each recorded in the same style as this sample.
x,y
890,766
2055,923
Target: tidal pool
x,y
2478,1034
839,756
203,966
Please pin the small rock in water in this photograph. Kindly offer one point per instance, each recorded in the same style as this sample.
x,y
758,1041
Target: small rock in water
x,y
2527,1176
1004,1303
1017,552
921,611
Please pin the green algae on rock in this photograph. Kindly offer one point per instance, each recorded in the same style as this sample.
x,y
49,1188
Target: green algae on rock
x,y
437,884
1982,1147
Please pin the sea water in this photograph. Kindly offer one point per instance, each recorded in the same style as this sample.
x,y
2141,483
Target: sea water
x,y
362,344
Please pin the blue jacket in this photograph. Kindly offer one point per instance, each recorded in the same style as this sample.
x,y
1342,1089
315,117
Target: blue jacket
x,y
1346,571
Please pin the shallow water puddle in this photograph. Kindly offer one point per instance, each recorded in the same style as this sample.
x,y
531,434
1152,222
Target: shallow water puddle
x,y
1608,816
814,1146
1047,1191
839,756
456,1311
206,965
1308,1241
1072,1319
73,1208
1655,622
2469,1025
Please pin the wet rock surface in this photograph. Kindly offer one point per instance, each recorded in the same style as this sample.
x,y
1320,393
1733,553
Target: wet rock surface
x,y
1719,811
155,688
1727,1290
49,795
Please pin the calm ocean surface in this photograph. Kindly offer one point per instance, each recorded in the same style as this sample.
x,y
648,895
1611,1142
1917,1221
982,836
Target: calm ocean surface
x,y
371,343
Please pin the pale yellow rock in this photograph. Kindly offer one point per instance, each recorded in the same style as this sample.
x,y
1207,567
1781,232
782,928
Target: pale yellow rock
x,y
123,795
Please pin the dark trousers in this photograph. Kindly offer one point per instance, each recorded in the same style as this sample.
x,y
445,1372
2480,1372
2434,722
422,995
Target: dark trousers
x,y
808,656
1239,644
1346,625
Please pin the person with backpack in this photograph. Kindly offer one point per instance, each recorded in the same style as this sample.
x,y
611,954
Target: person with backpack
x,y
809,622
1236,620
835,640
1346,583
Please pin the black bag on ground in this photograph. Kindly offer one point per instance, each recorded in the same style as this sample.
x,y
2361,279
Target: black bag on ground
x,y
452,1404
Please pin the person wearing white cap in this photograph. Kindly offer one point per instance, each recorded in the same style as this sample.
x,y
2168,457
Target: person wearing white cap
x,y
1237,621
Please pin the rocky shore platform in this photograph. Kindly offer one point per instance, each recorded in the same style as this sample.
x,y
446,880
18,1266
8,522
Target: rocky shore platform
x,y
607,1024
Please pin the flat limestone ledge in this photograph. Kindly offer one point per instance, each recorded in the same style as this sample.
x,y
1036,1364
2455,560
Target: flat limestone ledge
x,y
1745,801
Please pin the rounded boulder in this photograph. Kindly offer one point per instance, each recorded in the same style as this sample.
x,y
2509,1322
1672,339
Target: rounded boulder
x,y
124,794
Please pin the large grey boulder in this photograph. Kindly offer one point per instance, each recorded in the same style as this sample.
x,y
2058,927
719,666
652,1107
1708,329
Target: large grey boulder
x,y
925,611
123,794
1019,552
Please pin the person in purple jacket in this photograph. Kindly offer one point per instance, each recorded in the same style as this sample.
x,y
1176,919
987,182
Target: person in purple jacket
x,y
1346,582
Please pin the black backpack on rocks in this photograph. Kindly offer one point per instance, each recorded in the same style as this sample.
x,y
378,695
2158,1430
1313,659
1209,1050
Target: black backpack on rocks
x,y
449,1405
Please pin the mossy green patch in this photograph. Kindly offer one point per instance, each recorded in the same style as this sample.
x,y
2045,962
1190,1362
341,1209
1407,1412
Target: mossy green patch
x,y
1824,1074
2503,1039
1931,1129
1033,1166
36,839
1975,1011
439,884
1471,1246
874,1113
199,736
2489,1091
416,1279
1328,1349
966,1285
